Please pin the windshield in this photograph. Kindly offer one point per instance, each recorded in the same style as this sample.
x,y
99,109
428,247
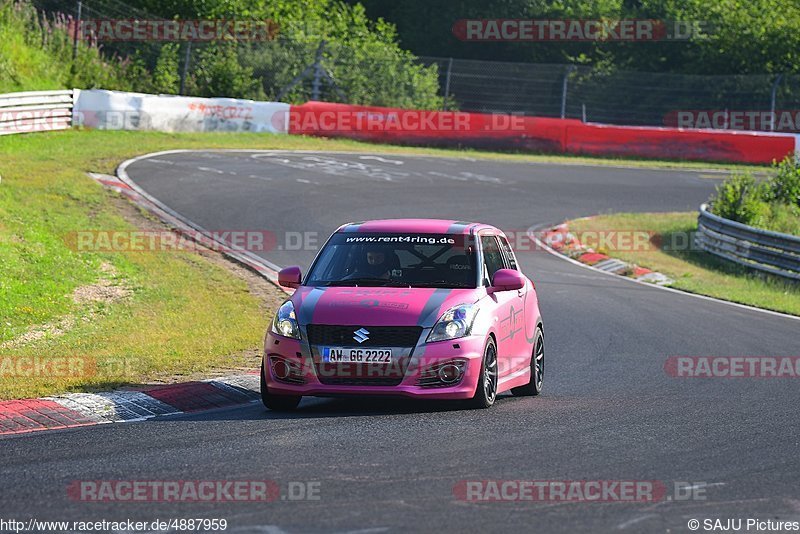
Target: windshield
x,y
407,260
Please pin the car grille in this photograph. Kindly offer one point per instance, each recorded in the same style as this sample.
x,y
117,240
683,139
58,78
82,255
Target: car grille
x,y
350,374
354,374
379,336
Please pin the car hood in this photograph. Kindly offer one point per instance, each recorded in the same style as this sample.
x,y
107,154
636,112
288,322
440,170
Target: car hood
x,y
377,306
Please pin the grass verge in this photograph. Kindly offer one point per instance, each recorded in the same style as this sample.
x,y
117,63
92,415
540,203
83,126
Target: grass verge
x,y
694,271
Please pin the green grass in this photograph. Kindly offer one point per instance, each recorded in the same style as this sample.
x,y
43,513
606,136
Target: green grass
x,y
186,316
783,218
693,270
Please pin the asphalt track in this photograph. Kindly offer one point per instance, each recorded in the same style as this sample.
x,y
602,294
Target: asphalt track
x,y
609,410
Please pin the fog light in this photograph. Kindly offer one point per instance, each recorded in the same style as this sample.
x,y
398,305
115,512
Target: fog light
x,y
449,373
280,368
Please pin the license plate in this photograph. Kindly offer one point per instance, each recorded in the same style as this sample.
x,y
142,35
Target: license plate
x,y
352,355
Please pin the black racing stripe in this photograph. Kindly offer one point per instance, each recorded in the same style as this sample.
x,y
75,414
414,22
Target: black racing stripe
x,y
306,311
432,306
458,227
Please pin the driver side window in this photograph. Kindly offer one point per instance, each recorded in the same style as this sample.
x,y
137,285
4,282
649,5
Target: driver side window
x,y
512,260
492,257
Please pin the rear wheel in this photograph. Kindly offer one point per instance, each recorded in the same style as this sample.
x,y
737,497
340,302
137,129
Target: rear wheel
x,y
486,390
278,403
534,387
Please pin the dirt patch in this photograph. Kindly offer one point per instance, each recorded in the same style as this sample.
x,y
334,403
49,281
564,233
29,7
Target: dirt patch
x,y
40,332
108,289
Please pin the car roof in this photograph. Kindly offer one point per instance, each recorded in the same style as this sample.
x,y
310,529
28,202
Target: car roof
x,y
417,226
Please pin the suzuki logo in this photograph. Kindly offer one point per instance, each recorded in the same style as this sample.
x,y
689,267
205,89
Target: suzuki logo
x,y
361,335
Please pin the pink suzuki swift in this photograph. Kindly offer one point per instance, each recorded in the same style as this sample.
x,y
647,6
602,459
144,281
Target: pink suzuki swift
x,y
414,307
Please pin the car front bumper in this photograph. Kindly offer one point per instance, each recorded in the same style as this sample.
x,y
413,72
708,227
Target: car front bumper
x,y
304,380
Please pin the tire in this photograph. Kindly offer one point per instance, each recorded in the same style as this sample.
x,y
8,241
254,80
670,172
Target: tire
x,y
486,389
534,387
277,403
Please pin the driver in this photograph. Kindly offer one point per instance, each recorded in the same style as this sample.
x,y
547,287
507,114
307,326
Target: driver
x,y
375,264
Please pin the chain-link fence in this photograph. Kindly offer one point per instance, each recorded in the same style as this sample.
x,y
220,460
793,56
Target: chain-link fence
x,y
618,97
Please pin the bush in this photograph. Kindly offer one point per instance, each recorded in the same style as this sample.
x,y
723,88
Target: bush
x,y
393,79
785,186
773,204
219,73
166,79
741,199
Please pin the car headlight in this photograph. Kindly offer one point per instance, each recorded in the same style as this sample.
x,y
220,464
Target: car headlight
x,y
454,323
285,322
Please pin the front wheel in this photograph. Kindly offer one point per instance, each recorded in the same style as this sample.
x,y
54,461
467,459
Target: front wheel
x,y
278,403
486,390
534,387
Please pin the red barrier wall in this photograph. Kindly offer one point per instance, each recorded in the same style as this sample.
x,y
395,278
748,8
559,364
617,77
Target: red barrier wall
x,y
540,134
672,143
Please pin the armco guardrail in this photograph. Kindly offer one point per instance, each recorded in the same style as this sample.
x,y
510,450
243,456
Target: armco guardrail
x,y
771,252
35,111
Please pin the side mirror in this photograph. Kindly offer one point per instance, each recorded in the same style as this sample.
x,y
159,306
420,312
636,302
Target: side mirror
x,y
507,280
290,277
